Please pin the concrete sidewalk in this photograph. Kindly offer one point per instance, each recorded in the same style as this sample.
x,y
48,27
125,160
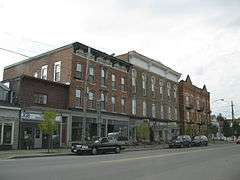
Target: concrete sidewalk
x,y
14,154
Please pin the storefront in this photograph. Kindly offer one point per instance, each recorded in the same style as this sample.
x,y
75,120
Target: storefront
x,y
9,127
108,124
32,138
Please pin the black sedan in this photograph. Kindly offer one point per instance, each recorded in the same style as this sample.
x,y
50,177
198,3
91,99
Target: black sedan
x,y
181,141
200,141
100,146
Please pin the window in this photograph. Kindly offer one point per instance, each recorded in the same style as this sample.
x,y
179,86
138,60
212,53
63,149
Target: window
x,y
103,100
122,85
153,83
3,95
91,77
134,106
153,110
103,76
35,74
198,104
7,133
162,112
144,84
144,108
40,99
188,116
78,98
168,88
169,112
176,114
113,81
91,100
44,72
187,100
161,87
113,104
134,76
123,105
175,92
78,72
57,71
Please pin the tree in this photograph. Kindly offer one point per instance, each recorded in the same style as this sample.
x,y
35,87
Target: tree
x,y
212,129
227,130
143,131
48,125
236,129
189,131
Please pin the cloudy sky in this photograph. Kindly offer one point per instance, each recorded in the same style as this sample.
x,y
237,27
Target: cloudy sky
x,y
196,37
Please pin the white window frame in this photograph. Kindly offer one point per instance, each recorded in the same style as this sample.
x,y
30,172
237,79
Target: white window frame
x,y
79,67
144,108
57,67
134,106
168,88
161,87
12,132
153,83
162,112
44,73
153,110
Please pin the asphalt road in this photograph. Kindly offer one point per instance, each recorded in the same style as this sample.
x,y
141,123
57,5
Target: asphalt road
x,y
220,162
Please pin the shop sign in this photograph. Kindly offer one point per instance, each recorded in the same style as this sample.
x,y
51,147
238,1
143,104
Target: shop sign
x,y
31,116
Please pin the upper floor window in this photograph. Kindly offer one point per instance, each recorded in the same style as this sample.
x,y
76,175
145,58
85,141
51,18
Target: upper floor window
x,y
153,110
169,112
40,99
134,76
175,92
113,81
123,105
3,95
57,71
103,100
161,87
78,72
175,114
198,104
162,112
44,72
122,85
168,88
78,98
134,107
144,81
103,76
187,100
91,100
187,116
91,76
153,83
113,104
144,108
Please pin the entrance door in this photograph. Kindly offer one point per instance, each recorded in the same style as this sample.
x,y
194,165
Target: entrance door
x,y
37,138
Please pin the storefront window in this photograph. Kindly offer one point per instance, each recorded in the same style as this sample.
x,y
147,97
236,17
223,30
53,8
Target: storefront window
x,y
7,133
0,133
76,131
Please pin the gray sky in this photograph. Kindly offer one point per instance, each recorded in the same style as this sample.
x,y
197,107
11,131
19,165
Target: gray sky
x,y
196,37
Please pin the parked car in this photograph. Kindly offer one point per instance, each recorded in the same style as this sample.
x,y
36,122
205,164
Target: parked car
x,y
200,141
238,141
181,141
101,145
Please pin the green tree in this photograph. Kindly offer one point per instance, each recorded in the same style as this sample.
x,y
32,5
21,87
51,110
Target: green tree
x,y
212,129
48,125
143,131
227,130
189,131
236,129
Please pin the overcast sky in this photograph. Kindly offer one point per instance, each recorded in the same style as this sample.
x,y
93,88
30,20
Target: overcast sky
x,y
196,37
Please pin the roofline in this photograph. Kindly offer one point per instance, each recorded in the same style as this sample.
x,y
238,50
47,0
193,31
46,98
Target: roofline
x,y
184,82
38,56
158,63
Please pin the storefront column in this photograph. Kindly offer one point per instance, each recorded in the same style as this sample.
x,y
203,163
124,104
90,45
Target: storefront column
x,y
106,128
69,129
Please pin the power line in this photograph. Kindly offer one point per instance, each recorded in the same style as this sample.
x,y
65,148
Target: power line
x,y
14,52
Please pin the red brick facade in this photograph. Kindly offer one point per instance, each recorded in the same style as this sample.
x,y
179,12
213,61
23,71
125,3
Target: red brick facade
x,y
194,107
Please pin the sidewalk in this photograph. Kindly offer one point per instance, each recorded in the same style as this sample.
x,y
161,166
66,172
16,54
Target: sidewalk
x,y
14,154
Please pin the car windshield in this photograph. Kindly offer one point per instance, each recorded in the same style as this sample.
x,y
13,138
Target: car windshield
x,y
197,137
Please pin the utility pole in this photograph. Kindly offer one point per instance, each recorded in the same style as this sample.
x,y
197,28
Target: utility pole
x,y
99,119
85,97
232,111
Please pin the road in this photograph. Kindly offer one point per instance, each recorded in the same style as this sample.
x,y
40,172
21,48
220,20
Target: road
x,y
221,162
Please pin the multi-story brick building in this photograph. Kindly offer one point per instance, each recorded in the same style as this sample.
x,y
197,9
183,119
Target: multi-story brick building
x,y
154,96
95,79
194,106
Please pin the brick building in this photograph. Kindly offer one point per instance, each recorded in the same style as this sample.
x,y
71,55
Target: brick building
x,y
154,96
101,79
194,108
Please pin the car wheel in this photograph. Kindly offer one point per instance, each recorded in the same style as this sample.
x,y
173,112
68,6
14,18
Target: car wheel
x,y
117,150
94,151
182,146
189,145
206,144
